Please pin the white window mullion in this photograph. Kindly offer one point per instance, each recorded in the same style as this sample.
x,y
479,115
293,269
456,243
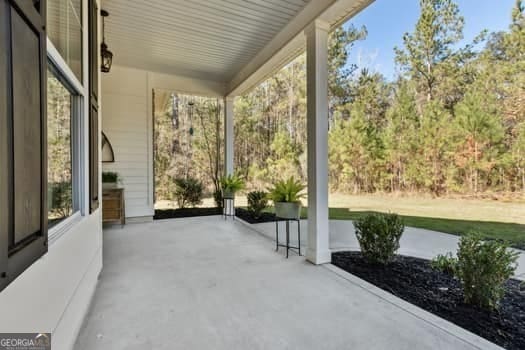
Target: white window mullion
x,y
55,57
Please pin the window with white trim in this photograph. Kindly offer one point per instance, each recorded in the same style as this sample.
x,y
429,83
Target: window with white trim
x,y
62,142
64,29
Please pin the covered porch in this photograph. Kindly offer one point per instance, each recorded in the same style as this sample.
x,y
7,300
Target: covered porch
x,y
175,284
201,283
221,50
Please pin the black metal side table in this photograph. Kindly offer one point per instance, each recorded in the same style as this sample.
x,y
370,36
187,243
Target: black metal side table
x,y
228,208
287,245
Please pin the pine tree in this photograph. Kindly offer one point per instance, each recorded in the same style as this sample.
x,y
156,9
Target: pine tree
x,y
340,44
479,129
400,136
429,50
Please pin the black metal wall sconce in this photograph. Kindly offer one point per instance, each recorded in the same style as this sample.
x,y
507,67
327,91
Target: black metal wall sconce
x,y
106,55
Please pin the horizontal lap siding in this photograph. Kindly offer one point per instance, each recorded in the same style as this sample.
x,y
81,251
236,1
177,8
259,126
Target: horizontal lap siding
x,y
125,122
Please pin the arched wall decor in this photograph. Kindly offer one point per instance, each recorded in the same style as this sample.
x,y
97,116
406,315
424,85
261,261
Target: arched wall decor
x,y
108,156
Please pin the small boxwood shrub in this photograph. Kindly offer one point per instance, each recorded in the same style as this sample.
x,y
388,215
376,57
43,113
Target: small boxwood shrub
x,y
378,236
257,202
445,263
188,192
483,267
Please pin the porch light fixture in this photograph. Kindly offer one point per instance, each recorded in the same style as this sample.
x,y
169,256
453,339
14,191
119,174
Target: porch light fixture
x,y
190,113
106,55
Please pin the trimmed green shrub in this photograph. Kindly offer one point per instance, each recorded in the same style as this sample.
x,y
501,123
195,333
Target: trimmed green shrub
x,y
378,236
188,192
257,202
445,263
483,267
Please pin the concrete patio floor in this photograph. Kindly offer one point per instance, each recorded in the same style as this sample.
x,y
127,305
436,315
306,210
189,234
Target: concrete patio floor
x,y
206,283
416,242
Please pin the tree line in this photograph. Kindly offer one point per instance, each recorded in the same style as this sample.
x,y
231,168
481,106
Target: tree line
x,y
188,141
452,121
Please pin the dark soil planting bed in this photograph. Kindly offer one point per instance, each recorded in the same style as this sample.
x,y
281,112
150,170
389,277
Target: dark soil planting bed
x,y
249,218
413,280
185,213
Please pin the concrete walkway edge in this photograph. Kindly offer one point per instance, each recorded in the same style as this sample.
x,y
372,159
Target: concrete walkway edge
x,y
449,327
436,321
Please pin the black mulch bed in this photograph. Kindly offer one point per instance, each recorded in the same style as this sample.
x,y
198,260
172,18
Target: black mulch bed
x,y
249,218
413,280
185,213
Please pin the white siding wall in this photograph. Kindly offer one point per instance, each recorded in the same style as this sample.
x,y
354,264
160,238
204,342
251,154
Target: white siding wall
x,y
127,121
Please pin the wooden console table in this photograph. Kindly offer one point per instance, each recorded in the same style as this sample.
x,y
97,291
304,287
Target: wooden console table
x,y
113,205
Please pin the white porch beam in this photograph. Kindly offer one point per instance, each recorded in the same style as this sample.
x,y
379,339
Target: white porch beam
x,y
228,135
289,42
316,33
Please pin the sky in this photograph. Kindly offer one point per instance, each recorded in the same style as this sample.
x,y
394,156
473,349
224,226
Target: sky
x,y
387,21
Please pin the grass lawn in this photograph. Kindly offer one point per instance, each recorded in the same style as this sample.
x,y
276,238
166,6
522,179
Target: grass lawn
x,y
513,234
493,219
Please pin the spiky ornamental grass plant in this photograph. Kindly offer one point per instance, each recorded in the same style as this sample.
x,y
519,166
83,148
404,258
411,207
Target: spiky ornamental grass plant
x,y
188,191
257,202
231,184
287,191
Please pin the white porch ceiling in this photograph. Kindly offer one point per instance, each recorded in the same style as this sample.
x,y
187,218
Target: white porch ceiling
x,y
226,41
209,39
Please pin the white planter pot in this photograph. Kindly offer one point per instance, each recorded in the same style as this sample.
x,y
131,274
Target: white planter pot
x,y
226,194
109,185
287,210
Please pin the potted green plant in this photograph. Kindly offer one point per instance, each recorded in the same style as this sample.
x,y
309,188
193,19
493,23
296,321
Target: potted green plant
x,y
110,179
231,184
286,195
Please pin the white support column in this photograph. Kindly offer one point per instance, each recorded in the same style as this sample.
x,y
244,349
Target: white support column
x,y
228,135
318,251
